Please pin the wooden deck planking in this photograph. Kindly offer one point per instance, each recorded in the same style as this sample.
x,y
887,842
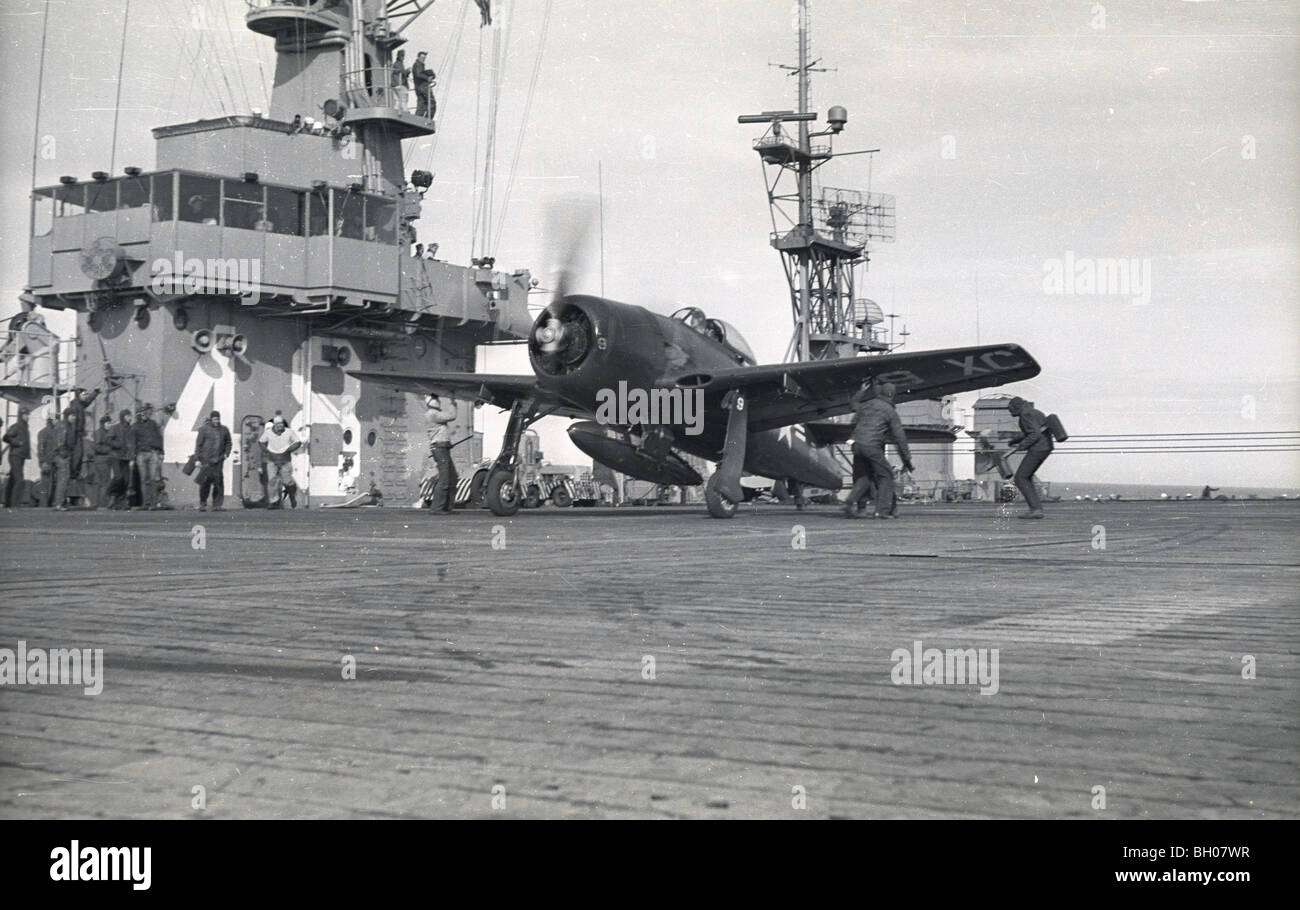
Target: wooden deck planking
x,y
522,666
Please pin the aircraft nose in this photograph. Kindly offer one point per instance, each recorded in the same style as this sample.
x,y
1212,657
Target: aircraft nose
x,y
562,338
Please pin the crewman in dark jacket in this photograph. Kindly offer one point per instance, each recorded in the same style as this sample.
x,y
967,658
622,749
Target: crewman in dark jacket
x,y
876,423
122,458
45,443
19,440
211,449
80,404
66,443
424,79
147,443
104,462
1036,442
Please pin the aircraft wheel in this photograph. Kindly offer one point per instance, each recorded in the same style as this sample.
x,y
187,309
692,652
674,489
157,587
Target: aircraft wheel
x,y
719,506
533,499
501,494
560,497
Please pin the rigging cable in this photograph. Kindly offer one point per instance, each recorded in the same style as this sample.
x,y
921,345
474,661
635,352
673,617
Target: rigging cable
x,y
208,83
447,67
503,59
221,67
239,70
182,42
40,80
483,218
117,108
478,111
523,125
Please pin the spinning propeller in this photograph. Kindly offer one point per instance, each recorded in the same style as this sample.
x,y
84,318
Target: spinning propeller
x,y
562,334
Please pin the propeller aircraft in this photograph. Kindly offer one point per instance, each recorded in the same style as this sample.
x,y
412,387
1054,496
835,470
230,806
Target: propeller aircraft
x,y
767,419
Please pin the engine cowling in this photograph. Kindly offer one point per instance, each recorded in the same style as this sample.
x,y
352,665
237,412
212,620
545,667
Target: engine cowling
x,y
561,339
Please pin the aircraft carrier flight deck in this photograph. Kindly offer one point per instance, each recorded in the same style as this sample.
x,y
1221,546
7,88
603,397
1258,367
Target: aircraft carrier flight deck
x,y
652,662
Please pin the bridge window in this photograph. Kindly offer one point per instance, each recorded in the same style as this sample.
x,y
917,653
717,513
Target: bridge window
x,y
284,210
242,205
163,198
381,220
200,199
42,213
349,214
70,200
318,213
101,197
133,192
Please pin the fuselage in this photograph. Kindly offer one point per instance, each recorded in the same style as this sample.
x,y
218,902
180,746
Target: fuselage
x,y
595,350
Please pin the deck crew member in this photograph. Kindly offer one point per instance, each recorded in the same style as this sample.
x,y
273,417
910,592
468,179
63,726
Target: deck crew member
x,y
81,401
45,443
147,444
19,439
442,411
122,458
861,469
211,449
1036,442
280,442
104,462
875,423
66,442
424,79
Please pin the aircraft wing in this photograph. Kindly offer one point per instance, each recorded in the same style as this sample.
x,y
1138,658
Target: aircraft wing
x,y
781,394
499,389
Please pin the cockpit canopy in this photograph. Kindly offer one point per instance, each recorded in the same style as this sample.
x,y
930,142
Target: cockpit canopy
x,y
719,331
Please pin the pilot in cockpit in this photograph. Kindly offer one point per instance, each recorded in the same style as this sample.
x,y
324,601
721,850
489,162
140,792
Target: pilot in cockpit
x,y
691,316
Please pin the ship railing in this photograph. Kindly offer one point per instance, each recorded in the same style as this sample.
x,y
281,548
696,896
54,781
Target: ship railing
x,y
312,5
34,357
769,141
373,87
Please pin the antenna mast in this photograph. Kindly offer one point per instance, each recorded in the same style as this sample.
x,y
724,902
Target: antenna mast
x,y
827,238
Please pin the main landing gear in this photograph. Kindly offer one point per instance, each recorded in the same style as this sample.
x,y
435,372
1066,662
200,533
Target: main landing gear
x,y
502,490
722,492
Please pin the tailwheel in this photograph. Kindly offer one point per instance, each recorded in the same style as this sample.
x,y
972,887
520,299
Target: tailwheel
x,y
501,493
719,505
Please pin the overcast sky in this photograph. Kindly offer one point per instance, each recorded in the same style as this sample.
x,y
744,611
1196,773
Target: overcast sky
x,y
1162,132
